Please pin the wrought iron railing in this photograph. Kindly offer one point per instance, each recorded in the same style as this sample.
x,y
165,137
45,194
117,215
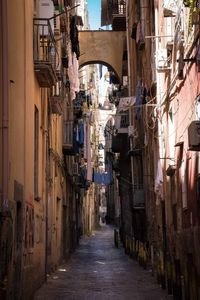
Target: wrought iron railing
x,y
45,50
119,7
68,133
124,122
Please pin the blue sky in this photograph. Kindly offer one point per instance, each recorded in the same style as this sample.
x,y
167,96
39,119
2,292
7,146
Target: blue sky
x,y
94,7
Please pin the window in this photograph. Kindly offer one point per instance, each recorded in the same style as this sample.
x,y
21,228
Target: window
x,y
36,152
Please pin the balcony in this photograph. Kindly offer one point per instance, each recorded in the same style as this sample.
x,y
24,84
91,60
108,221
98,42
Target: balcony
x,y
68,129
45,53
119,15
70,146
124,123
57,98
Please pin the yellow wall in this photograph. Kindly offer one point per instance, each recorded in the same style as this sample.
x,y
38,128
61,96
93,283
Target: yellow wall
x,y
24,94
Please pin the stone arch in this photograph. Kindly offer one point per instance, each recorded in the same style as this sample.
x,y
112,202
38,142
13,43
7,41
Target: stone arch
x,y
101,63
104,46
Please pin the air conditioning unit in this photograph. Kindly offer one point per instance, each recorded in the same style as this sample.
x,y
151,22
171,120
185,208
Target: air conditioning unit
x,y
46,11
56,23
170,8
132,131
75,169
194,136
162,60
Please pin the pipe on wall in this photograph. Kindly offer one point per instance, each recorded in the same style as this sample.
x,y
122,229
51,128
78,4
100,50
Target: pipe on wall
x,y
131,119
4,27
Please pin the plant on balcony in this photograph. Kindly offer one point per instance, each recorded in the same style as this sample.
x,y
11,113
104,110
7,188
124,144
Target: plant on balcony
x,y
60,8
194,11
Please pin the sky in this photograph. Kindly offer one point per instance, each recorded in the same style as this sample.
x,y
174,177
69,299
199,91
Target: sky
x,y
94,7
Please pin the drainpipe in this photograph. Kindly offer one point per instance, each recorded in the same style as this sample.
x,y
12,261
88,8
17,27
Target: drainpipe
x,y
128,50
131,120
129,79
4,202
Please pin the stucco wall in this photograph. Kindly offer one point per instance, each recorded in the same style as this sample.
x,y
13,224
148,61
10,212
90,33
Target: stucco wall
x,y
24,95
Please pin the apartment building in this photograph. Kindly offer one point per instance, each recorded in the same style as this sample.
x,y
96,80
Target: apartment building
x,y
163,43
159,214
42,196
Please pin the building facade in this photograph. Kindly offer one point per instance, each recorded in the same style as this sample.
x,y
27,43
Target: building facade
x,y
159,214
43,209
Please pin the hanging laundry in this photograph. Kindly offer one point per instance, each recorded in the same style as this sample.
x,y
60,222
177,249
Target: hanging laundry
x,y
139,99
159,181
104,178
73,67
81,133
89,158
74,36
125,103
85,141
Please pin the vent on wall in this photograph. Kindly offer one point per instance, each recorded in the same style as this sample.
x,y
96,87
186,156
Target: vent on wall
x,y
194,136
46,11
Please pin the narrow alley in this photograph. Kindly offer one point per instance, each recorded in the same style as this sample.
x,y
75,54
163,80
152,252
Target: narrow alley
x,y
100,271
99,134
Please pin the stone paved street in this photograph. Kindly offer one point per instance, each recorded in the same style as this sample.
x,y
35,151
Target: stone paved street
x,y
99,271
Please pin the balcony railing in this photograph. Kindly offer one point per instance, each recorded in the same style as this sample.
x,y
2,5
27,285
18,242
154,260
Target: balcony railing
x,y
68,129
124,122
119,15
57,98
46,57
119,7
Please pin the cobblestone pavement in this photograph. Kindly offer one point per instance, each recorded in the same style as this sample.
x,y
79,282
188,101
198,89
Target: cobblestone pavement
x,y
99,271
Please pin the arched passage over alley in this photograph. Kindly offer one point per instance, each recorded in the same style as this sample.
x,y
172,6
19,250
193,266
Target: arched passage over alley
x,y
104,46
